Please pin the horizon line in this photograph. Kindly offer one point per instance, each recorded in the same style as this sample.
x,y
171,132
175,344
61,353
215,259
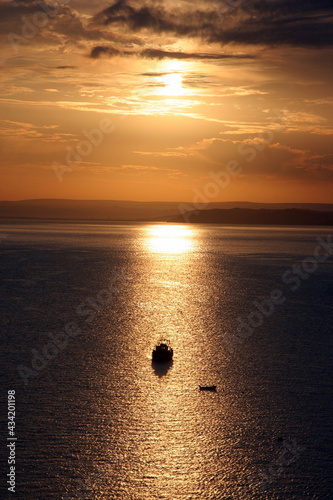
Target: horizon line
x,y
174,202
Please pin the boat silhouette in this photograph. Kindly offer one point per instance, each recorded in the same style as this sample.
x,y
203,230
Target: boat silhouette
x,y
162,352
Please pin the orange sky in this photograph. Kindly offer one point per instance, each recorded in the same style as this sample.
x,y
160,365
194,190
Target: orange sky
x,y
137,100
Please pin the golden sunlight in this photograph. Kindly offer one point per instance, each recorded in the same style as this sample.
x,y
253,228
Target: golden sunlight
x,y
169,239
173,84
171,79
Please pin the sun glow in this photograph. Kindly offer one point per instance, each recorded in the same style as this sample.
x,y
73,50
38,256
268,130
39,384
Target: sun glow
x,y
173,84
169,239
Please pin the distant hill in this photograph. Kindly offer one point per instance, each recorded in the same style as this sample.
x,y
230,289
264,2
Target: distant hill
x,y
87,209
111,210
289,216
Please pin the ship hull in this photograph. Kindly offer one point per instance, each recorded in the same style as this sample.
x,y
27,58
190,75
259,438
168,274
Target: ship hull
x,y
159,357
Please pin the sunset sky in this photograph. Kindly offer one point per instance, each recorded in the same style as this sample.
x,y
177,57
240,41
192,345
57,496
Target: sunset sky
x,y
152,100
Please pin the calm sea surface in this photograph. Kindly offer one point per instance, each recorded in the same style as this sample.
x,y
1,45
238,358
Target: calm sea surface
x,y
96,420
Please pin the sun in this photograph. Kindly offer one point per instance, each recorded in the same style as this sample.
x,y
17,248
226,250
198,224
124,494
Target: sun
x,y
172,84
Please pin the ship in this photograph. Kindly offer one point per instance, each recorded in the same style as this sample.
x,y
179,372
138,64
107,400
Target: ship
x,y
162,352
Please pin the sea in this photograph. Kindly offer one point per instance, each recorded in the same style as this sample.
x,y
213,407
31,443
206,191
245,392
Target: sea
x,y
247,309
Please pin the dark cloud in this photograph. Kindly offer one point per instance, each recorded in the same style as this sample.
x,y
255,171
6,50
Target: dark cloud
x,y
99,51
154,73
9,10
37,21
31,14
163,54
307,23
156,18
65,67
303,24
285,8
251,22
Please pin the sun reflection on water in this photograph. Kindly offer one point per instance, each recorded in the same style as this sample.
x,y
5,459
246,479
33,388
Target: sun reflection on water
x,y
169,239
166,451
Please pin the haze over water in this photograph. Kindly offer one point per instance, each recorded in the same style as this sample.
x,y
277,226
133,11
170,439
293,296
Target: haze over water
x,y
98,421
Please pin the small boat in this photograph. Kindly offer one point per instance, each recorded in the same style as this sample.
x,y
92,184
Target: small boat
x,y
162,352
207,388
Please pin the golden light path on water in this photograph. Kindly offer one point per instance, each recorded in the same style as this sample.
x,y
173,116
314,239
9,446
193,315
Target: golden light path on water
x,y
159,437
165,418
169,444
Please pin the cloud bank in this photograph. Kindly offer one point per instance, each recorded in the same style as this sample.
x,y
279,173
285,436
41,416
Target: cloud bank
x,y
249,22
